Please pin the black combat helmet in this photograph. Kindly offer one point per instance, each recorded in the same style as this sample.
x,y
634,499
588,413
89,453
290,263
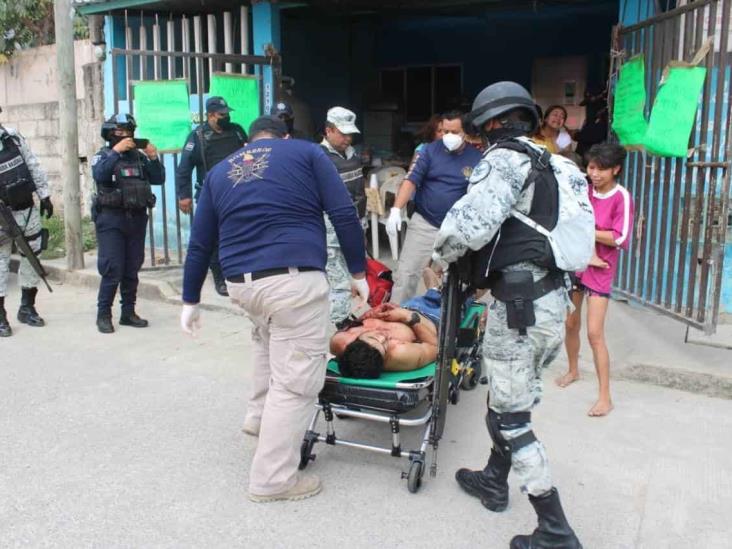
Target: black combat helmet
x,y
118,122
502,98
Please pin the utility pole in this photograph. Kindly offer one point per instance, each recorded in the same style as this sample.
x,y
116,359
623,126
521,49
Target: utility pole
x,y
68,133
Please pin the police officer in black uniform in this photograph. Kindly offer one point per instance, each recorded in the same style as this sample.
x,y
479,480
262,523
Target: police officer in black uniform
x,y
205,147
284,112
123,172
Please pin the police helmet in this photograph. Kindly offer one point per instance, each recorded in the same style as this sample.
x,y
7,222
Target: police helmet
x,y
118,122
501,98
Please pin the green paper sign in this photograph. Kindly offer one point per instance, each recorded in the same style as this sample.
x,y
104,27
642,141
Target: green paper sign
x,y
162,113
241,92
629,122
674,109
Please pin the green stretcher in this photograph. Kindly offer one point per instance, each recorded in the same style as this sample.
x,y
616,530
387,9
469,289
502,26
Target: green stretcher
x,y
393,395
387,380
393,380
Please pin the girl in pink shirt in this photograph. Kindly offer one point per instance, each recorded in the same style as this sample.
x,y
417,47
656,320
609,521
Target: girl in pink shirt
x,y
613,225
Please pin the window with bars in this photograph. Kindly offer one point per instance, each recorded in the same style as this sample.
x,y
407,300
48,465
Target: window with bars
x,y
423,90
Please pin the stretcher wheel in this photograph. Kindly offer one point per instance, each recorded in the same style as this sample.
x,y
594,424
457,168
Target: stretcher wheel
x,y
470,381
414,478
453,394
306,453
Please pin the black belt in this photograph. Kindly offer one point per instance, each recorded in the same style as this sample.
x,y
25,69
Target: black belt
x,y
541,287
256,275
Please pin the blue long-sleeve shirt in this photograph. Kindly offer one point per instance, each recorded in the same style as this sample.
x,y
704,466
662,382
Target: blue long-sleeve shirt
x,y
104,161
265,206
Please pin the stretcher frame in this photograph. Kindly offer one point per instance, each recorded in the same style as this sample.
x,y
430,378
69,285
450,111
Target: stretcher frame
x,y
457,367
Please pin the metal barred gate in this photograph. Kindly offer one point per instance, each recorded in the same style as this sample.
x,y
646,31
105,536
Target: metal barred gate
x,y
182,47
675,262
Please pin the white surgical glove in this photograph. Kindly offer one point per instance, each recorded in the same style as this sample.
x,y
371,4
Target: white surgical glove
x,y
394,222
360,288
190,319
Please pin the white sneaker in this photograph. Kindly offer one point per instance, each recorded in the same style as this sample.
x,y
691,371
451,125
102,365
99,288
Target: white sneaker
x,y
306,486
251,426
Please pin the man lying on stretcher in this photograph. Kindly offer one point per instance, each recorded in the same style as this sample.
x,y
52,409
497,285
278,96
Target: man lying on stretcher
x,y
390,338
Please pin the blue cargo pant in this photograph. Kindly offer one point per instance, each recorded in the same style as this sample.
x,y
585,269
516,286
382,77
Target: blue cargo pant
x,y
121,253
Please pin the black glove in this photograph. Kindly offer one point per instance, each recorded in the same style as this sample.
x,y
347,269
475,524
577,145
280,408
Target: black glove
x,y
46,207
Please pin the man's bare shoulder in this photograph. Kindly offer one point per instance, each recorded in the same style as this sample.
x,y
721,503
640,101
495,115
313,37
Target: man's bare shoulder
x,y
404,357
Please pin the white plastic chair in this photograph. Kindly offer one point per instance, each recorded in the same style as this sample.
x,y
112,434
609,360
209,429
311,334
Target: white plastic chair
x,y
389,180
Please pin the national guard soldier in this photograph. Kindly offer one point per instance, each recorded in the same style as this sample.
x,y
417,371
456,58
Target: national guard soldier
x,y
526,322
123,172
340,127
20,176
205,147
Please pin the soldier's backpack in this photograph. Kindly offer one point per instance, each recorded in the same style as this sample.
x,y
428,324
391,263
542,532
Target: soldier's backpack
x,y
572,239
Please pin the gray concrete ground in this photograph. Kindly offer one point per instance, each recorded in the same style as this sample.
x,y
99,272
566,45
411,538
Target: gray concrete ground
x,y
133,440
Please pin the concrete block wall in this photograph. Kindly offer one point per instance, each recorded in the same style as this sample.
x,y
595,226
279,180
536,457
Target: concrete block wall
x,y
28,90
39,125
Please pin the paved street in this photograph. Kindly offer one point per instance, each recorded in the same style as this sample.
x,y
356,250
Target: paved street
x,y
133,440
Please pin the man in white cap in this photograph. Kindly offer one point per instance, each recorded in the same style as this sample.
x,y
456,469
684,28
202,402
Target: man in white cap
x,y
340,127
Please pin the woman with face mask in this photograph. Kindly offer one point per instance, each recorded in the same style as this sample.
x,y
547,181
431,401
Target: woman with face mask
x,y
552,133
438,178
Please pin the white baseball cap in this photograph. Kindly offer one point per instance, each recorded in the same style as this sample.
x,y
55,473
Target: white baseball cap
x,y
343,119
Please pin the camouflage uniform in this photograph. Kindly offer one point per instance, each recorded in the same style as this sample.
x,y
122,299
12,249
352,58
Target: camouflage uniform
x,y
29,220
512,363
338,276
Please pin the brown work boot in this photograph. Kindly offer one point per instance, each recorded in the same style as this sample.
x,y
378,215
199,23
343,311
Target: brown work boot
x,y
306,486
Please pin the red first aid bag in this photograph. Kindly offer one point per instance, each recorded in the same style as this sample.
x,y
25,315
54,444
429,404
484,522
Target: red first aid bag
x,y
378,277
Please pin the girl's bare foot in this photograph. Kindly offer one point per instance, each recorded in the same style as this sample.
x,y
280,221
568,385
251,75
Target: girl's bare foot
x,y
567,379
601,408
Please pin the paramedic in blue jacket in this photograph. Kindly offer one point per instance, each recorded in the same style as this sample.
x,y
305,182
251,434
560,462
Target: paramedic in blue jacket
x,y
439,175
123,174
265,205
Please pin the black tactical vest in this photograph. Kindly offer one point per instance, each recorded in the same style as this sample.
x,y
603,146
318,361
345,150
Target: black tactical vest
x,y
217,146
516,242
351,172
16,182
131,189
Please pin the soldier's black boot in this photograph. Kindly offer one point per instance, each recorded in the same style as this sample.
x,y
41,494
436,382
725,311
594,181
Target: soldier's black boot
x,y
5,330
553,531
490,484
130,318
27,313
219,280
104,322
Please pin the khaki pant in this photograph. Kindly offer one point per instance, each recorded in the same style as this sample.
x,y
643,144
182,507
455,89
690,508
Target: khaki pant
x,y
290,317
415,256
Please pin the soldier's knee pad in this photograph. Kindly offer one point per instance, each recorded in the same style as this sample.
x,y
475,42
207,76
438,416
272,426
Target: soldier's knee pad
x,y
508,421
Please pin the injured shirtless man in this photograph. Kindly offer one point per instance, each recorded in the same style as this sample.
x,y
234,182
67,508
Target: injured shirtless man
x,y
390,338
